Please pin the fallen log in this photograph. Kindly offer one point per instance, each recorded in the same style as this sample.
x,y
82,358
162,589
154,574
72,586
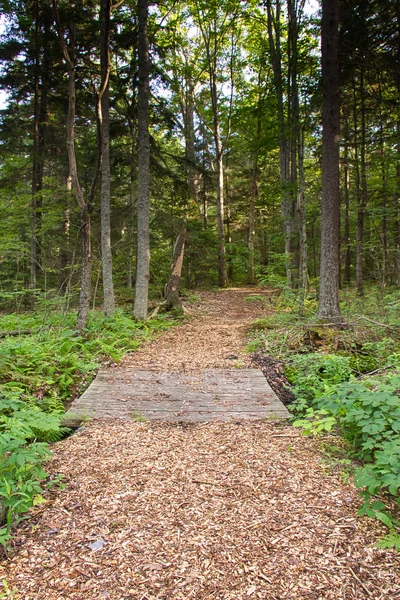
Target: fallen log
x,y
4,334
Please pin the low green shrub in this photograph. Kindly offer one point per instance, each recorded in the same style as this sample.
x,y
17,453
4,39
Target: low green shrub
x,y
38,374
365,413
24,432
313,374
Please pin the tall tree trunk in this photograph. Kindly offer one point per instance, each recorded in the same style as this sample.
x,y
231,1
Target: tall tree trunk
x,y
143,203
204,197
132,201
357,186
396,210
36,178
347,241
251,277
396,196
384,236
274,37
301,207
108,285
294,8
363,195
190,150
171,293
73,179
228,223
222,272
211,41
329,269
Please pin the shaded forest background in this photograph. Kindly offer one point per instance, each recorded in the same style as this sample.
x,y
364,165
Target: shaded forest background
x,y
235,110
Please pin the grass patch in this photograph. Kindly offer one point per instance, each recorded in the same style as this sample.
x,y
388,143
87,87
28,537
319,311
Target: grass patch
x,y
138,417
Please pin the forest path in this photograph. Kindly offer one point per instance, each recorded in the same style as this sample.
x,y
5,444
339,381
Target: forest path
x,y
208,511
193,373
214,338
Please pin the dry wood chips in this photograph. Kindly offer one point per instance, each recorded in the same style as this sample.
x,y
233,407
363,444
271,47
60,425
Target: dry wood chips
x,y
210,511
228,511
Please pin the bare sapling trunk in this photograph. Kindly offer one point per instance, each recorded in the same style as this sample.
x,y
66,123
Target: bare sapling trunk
x,y
347,241
40,109
274,39
143,202
251,277
34,249
363,197
396,210
211,47
190,150
384,176
108,285
171,294
301,207
73,179
222,272
328,309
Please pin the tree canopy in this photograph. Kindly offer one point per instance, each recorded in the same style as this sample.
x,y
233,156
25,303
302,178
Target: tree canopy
x,y
232,164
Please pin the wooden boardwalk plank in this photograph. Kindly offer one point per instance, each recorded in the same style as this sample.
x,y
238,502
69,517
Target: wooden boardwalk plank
x,y
209,395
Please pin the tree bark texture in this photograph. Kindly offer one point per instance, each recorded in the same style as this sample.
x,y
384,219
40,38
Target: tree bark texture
x,y
143,203
86,272
108,285
329,267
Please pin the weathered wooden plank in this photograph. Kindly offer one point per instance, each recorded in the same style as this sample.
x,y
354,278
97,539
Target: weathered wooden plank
x,y
207,395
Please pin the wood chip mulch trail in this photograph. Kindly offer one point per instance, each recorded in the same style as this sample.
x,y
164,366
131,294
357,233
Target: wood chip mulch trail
x,y
214,338
210,511
227,511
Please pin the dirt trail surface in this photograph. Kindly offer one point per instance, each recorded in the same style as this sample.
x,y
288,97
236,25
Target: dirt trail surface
x,y
214,338
210,511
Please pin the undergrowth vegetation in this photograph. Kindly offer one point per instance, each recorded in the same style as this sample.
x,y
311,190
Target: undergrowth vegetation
x,y
44,364
347,382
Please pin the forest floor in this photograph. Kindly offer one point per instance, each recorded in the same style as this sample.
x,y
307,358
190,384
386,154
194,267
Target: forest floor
x,y
209,511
